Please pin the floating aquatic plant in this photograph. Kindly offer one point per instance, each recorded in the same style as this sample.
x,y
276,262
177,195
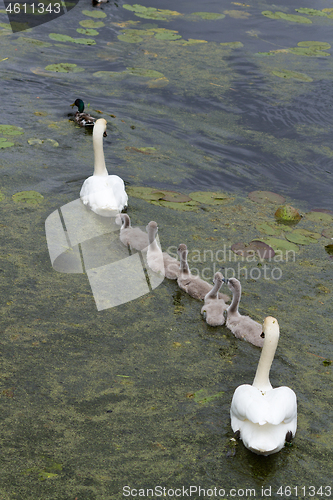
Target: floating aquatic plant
x,y
286,17
232,45
64,68
151,12
281,245
287,214
302,237
211,198
65,38
210,16
4,143
11,130
97,14
90,23
203,396
88,31
255,248
310,12
319,217
292,74
266,197
29,197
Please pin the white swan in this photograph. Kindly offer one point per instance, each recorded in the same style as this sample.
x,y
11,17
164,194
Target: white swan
x,y
104,194
214,308
265,417
243,327
193,285
159,261
132,236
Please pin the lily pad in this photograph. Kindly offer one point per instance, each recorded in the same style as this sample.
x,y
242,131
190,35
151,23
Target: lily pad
x,y
64,68
29,197
145,193
210,16
232,45
266,197
88,31
287,214
97,14
210,197
328,233
303,237
151,12
183,207
4,143
308,51
310,12
319,217
281,245
270,229
90,23
292,74
11,130
64,38
255,248
175,197
167,36
287,17
315,45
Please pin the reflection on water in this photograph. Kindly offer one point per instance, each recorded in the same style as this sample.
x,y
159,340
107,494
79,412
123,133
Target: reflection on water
x,y
94,400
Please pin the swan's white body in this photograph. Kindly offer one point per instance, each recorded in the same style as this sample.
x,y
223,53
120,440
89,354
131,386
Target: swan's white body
x,y
193,285
214,308
265,417
104,194
132,236
159,261
243,327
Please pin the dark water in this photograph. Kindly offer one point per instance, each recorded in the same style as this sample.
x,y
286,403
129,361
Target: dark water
x,y
96,400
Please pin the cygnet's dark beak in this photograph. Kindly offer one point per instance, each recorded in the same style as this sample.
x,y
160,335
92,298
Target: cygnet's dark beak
x,y
262,335
105,134
225,280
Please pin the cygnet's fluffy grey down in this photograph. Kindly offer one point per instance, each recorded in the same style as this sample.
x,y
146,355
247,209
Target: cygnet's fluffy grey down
x,y
132,236
243,327
193,285
159,261
214,308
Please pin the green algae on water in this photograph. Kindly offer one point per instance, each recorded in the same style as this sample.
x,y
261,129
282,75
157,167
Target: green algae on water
x,y
292,74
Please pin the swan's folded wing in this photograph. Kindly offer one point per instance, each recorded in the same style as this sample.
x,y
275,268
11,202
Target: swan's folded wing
x,y
276,406
283,405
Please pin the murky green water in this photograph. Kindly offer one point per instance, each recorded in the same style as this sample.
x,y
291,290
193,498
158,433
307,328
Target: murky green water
x,y
96,400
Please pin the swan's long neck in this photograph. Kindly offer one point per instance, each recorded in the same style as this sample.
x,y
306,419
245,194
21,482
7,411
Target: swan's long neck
x,y
214,291
99,165
261,379
184,269
153,246
236,295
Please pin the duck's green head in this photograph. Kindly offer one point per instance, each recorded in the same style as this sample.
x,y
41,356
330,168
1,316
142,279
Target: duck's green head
x,y
80,105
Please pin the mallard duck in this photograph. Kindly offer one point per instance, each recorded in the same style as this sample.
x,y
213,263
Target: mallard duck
x,y
83,119
243,327
104,194
265,418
